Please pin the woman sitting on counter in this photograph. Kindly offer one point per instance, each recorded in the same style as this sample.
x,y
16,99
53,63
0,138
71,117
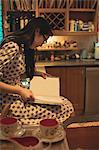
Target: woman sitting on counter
x,y
16,59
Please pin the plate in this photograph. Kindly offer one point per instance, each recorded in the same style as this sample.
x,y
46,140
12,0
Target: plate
x,y
18,133
60,135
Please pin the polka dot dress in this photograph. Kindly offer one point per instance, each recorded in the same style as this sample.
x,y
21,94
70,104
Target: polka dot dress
x,y
12,66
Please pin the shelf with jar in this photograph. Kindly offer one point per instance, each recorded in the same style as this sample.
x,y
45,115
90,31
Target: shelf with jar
x,y
57,50
16,14
82,21
59,14
56,55
70,17
17,20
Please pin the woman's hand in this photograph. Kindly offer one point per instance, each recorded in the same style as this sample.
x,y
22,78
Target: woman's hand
x,y
45,75
26,94
42,74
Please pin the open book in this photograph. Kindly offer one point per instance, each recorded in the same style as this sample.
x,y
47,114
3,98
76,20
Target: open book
x,y
46,91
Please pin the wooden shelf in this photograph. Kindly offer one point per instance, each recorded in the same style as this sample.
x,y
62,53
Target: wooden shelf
x,y
82,9
57,13
65,33
56,49
51,10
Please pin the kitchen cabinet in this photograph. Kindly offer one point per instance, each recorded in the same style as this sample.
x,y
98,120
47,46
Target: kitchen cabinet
x,y
72,84
58,13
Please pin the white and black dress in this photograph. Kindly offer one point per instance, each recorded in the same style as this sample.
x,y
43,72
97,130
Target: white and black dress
x,y
12,66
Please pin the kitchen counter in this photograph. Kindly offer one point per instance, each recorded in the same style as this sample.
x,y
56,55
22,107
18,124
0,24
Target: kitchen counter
x,y
68,63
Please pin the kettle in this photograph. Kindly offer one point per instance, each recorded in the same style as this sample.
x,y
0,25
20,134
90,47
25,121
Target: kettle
x,y
96,51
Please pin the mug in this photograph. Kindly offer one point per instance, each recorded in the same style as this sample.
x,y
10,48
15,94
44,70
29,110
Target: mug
x,y
29,143
48,128
9,126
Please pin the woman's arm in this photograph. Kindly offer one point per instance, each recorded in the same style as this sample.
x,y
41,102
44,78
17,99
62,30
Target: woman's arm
x,y
26,94
6,88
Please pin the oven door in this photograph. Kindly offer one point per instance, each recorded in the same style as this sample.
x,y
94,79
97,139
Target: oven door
x,y
92,90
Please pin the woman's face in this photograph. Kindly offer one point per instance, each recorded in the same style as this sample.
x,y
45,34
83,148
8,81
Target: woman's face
x,y
39,39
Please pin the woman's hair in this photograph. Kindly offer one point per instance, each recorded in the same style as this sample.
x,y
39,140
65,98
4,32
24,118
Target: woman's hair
x,y
26,36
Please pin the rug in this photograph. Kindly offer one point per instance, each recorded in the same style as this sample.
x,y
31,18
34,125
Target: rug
x,y
83,124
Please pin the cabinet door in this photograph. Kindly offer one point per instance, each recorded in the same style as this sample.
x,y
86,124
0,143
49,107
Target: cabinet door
x,y
74,87
72,83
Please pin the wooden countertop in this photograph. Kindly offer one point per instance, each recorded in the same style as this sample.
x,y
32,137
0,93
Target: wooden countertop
x,y
68,63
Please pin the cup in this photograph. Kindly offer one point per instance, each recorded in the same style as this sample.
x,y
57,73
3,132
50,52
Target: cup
x,y
9,126
48,128
28,143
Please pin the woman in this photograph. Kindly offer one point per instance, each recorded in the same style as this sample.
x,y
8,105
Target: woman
x,y
16,58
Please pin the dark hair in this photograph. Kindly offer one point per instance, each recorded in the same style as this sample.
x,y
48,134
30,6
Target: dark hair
x,y
26,36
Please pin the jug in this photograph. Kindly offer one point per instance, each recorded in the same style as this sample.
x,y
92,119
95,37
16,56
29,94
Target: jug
x,y
84,54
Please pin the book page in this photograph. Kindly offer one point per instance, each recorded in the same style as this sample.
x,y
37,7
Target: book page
x,y
45,87
48,100
46,91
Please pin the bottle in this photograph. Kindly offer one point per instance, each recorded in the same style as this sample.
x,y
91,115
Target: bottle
x,y
7,24
72,24
52,56
76,26
26,21
17,25
21,23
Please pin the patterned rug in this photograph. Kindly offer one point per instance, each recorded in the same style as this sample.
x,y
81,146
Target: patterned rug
x,y
83,124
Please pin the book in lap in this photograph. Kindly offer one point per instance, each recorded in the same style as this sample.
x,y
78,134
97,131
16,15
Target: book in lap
x,y
46,91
